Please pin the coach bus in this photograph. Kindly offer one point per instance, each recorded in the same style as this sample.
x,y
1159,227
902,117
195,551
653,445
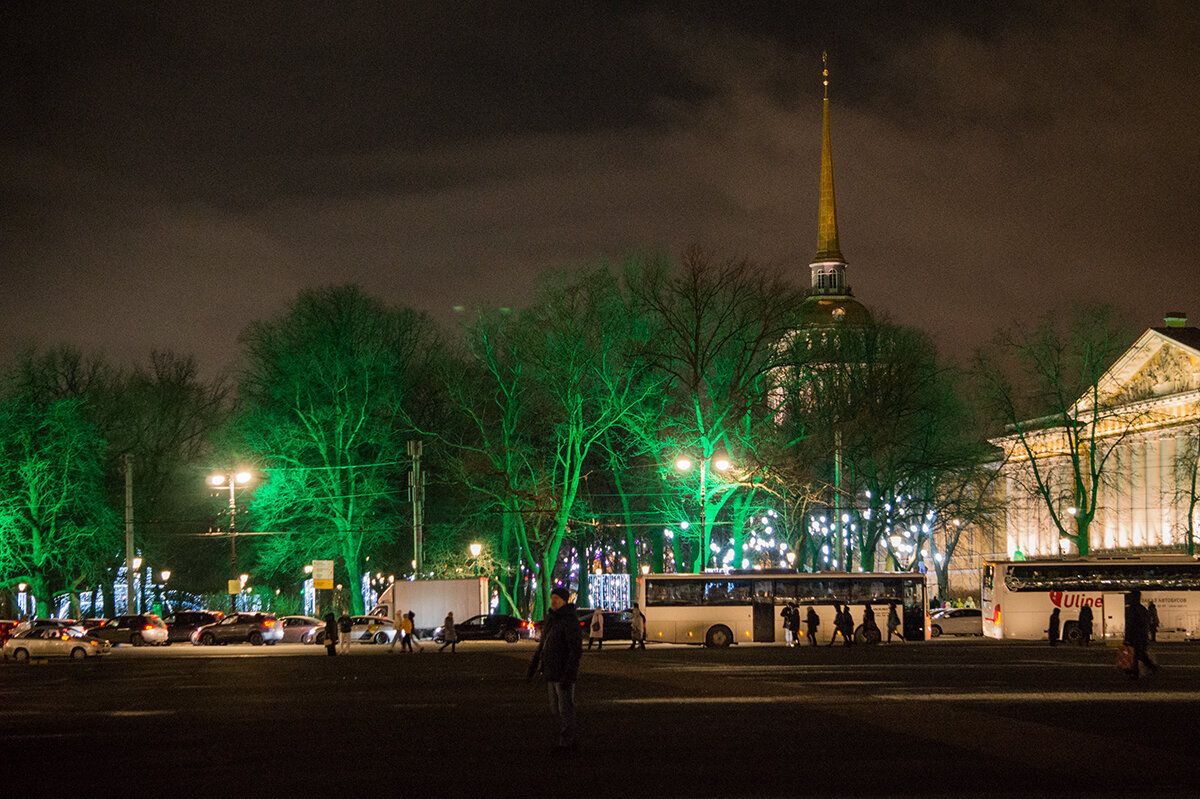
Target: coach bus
x,y
717,609
1018,596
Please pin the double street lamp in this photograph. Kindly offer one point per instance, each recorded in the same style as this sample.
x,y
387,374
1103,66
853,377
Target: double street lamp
x,y
721,465
229,482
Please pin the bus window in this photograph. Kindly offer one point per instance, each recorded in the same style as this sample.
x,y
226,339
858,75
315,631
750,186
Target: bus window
x,y
786,590
878,591
674,592
727,592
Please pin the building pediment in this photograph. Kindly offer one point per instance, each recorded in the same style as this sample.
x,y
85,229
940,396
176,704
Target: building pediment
x,y
1156,366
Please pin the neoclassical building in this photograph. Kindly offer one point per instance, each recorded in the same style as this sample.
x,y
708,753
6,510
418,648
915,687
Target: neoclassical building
x,y
1150,432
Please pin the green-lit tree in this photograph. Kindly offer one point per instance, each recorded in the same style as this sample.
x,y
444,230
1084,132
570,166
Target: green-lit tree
x,y
542,392
54,523
716,333
326,391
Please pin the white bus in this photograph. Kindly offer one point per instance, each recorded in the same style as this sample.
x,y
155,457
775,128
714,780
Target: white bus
x,y
722,609
1018,596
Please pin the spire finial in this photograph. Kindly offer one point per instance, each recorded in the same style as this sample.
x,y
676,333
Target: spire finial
x,y
827,232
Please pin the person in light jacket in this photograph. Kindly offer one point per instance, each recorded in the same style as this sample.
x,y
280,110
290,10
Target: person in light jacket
x,y
344,627
449,633
637,628
596,629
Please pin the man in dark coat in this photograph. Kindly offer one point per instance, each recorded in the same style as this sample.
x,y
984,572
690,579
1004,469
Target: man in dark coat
x,y
812,621
1137,631
558,657
1085,625
1052,630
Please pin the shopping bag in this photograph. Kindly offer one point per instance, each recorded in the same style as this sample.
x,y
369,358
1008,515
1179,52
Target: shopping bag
x,y
1125,657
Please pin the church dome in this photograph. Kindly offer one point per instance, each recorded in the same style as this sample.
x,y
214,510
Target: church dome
x,y
832,311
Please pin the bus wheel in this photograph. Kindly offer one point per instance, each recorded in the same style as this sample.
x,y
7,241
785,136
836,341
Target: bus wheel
x,y
1071,633
718,637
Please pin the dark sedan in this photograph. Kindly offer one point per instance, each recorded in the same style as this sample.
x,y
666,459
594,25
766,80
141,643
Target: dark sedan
x,y
236,628
492,626
617,624
182,623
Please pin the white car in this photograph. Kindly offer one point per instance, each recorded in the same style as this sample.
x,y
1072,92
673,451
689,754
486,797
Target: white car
x,y
364,630
956,621
41,642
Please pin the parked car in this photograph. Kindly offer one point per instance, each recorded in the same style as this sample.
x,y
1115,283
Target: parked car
x,y
50,641
364,630
58,624
236,628
299,629
182,623
90,624
145,628
956,621
488,627
617,624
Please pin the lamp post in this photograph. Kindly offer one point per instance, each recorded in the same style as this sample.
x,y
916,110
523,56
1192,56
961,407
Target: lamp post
x,y
721,465
21,598
160,590
475,549
229,482
137,594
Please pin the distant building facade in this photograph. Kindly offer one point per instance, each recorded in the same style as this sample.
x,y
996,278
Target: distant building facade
x,y
1147,498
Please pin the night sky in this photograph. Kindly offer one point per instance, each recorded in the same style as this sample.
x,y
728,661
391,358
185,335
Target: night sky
x,y
170,172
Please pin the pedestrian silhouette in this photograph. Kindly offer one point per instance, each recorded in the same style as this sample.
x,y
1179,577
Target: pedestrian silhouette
x,y
893,623
1052,630
637,628
1085,625
812,621
1137,632
331,634
1152,609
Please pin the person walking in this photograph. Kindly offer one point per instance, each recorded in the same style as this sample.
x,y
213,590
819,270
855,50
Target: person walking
x,y
397,631
1137,632
870,627
344,626
847,626
786,614
406,632
637,628
812,621
331,635
596,629
449,633
557,657
1085,625
839,624
893,623
1052,630
1152,609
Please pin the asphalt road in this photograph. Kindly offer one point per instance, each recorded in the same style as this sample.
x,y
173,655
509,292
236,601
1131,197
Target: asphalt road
x,y
944,718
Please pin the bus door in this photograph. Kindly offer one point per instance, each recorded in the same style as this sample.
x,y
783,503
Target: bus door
x,y
915,608
764,612
1114,616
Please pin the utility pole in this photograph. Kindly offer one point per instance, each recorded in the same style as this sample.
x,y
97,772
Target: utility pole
x,y
416,493
129,592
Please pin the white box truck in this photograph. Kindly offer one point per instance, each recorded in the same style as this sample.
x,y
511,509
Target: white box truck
x,y
431,600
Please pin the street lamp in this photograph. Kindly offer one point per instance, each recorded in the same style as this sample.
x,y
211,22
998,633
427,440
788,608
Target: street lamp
x,y
229,482
720,464
159,589
137,585
475,549
21,597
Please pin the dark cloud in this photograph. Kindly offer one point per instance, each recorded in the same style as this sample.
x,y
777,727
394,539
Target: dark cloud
x,y
171,172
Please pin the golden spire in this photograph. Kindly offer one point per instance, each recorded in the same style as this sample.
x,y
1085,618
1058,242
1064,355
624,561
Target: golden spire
x,y
827,233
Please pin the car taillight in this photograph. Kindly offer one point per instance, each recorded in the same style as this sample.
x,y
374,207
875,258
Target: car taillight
x,y
524,625
268,623
149,627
